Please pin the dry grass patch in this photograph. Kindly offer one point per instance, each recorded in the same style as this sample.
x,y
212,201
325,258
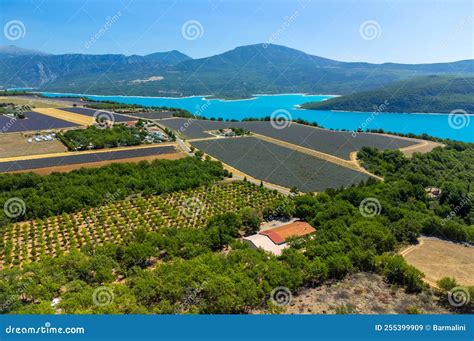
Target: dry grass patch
x,y
422,147
439,258
66,116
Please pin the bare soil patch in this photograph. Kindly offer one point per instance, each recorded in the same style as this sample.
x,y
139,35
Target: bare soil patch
x,y
440,258
362,293
15,144
423,147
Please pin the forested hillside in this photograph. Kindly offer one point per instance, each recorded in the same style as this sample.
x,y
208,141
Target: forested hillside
x,y
433,94
241,72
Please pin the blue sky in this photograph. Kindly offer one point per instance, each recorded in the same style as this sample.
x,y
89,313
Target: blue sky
x,y
405,31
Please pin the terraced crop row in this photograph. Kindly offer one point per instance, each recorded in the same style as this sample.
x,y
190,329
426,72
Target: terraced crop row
x,y
32,240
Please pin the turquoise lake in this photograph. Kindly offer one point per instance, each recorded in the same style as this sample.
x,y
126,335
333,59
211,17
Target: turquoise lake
x,y
264,105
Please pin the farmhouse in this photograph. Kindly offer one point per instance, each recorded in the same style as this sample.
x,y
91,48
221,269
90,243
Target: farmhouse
x,y
130,123
275,240
157,133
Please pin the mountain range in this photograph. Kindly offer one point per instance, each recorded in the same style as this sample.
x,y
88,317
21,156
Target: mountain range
x,y
241,72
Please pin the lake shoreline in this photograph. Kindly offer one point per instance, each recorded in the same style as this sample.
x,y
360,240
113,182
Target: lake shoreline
x,y
288,106
385,112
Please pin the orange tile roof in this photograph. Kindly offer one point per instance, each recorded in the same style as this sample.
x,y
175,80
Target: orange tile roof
x,y
281,233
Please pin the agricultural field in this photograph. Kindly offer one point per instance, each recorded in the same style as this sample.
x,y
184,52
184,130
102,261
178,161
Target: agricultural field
x,y
97,164
337,143
92,112
81,158
153,115
279,165
67,101
32,100
32,121
194,129
32,240
15,144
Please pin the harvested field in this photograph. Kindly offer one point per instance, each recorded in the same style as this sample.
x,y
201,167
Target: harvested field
x,y
33,121
279,165
85,158
65,115
362,293
32,240
438,258
15,144
91,112
337,143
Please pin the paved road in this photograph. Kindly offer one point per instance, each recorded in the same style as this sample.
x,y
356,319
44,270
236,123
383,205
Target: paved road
x,y
183,146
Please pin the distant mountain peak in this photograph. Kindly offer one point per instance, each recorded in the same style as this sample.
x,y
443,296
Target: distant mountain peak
x,y
13,50
173,57
258,56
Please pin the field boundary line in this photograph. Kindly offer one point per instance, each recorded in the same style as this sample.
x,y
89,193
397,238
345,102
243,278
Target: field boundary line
x,y
84,152
239,175
411,248
355,160
418,145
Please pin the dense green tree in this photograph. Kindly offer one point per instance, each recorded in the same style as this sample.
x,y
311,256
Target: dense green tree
x,y
397,271
223,229
251,220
